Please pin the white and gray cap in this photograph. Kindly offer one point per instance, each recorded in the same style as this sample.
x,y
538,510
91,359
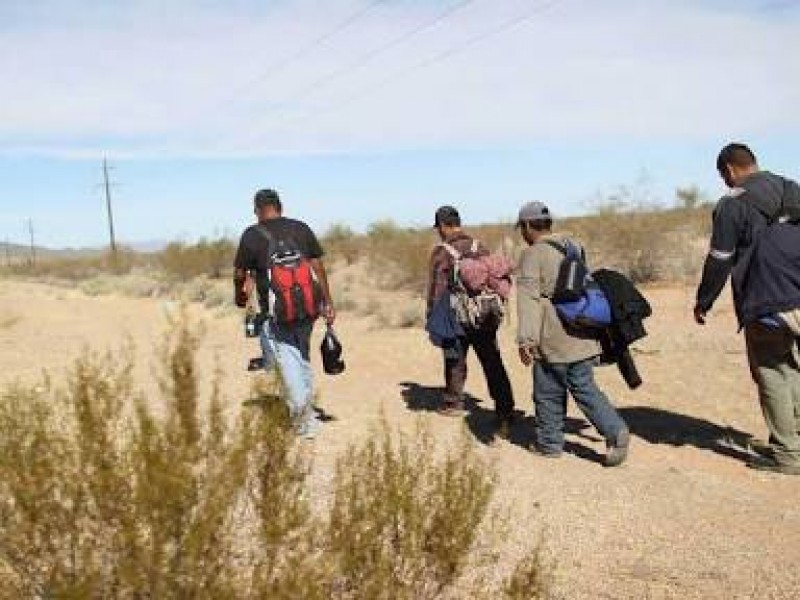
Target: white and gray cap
x,y
534,211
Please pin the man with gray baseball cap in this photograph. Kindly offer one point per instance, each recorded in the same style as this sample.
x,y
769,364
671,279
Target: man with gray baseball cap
x,y
562,360
533,211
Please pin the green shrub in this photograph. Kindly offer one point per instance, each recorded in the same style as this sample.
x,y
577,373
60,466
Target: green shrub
x,y
648,245
398,257
341,242
104,496
80,268
100,501
402,522
213,259
532,578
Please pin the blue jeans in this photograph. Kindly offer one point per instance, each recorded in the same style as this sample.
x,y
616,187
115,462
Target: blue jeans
x,y
286,347
551,382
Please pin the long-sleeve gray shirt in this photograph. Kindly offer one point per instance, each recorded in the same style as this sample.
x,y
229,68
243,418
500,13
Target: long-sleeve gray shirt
x,y
539,326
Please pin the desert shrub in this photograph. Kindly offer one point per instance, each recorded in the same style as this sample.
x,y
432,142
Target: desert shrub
x,y
399,257
402,522
103,495
212,258
341,242
648,245
8,321
345,302
371,307
409,316
532,578
102,502
78,268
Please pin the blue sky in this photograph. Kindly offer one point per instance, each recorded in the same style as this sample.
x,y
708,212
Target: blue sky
x,y
358,111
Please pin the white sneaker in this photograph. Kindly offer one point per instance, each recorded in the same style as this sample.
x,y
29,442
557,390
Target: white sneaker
x,y
309,429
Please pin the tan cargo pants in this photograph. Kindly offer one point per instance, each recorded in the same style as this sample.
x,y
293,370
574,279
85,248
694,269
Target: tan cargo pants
x,y
775,365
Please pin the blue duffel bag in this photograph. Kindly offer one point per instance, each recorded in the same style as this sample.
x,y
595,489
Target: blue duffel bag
x,y
591,311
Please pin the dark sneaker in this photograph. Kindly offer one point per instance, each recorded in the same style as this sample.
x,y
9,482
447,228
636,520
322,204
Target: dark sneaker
x,y
452,409
544,452
618,449
761,463
761,447
502,427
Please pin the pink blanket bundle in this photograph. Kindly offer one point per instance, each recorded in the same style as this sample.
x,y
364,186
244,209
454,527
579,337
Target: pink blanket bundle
x,y
492,272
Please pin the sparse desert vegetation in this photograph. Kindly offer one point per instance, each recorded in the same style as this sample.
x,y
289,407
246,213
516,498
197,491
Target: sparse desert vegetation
x,y
452,510
648,244
105,493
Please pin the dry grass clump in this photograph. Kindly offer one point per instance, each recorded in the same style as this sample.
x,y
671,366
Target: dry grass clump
x,y
101,499
532,578
409,317
341,242
104,496
180,262
647,245
398,257
77,268
8,321
402,522
210,258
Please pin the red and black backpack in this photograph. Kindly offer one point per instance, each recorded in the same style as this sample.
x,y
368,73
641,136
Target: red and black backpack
x,y
294,292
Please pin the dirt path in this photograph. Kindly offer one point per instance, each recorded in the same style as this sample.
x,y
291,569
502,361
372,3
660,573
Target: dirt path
x,y
683,519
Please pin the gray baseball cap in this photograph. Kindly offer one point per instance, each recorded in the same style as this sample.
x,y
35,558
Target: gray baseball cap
x,y
534,211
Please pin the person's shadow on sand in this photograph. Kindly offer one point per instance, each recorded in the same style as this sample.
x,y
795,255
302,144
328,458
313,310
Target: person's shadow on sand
x,y
655,425
659,426
482,424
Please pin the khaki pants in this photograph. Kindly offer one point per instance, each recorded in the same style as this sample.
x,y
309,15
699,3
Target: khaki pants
x,y
775,365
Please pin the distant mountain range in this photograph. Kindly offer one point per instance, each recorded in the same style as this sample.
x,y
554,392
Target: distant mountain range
x,y
17,250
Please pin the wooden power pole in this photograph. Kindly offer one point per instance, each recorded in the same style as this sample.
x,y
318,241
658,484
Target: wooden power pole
x,y
33,243
112,240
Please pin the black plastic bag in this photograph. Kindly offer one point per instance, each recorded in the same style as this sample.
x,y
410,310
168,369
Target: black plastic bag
x,y
331,350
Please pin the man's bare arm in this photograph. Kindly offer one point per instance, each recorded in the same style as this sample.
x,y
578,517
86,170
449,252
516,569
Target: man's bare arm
x,y
242,287
322,276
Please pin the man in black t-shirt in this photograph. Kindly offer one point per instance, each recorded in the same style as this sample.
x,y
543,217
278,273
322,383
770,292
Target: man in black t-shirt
x,y
285,345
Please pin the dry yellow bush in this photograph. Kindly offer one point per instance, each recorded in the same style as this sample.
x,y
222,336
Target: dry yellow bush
x,y
104,495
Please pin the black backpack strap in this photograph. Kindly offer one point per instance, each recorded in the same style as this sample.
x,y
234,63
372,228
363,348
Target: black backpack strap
x,y
274,243
563,250
556,245
265,234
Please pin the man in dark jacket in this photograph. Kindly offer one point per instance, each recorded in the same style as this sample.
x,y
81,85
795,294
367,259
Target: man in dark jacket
x,y
764,284
483,339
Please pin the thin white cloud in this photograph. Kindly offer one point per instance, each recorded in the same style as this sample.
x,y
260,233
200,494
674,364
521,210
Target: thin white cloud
x,y
178,83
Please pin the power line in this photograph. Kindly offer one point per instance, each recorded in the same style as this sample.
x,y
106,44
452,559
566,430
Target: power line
x,y
439,57
373,53
453,50
292,58
370,55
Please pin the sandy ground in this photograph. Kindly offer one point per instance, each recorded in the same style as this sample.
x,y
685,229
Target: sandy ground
x,y
684,518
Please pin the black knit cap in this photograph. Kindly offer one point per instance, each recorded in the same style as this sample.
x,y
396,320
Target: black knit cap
x,y
447,215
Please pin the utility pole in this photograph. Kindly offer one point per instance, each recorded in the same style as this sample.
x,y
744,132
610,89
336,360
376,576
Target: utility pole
x,y
8,253
33,244
113,241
